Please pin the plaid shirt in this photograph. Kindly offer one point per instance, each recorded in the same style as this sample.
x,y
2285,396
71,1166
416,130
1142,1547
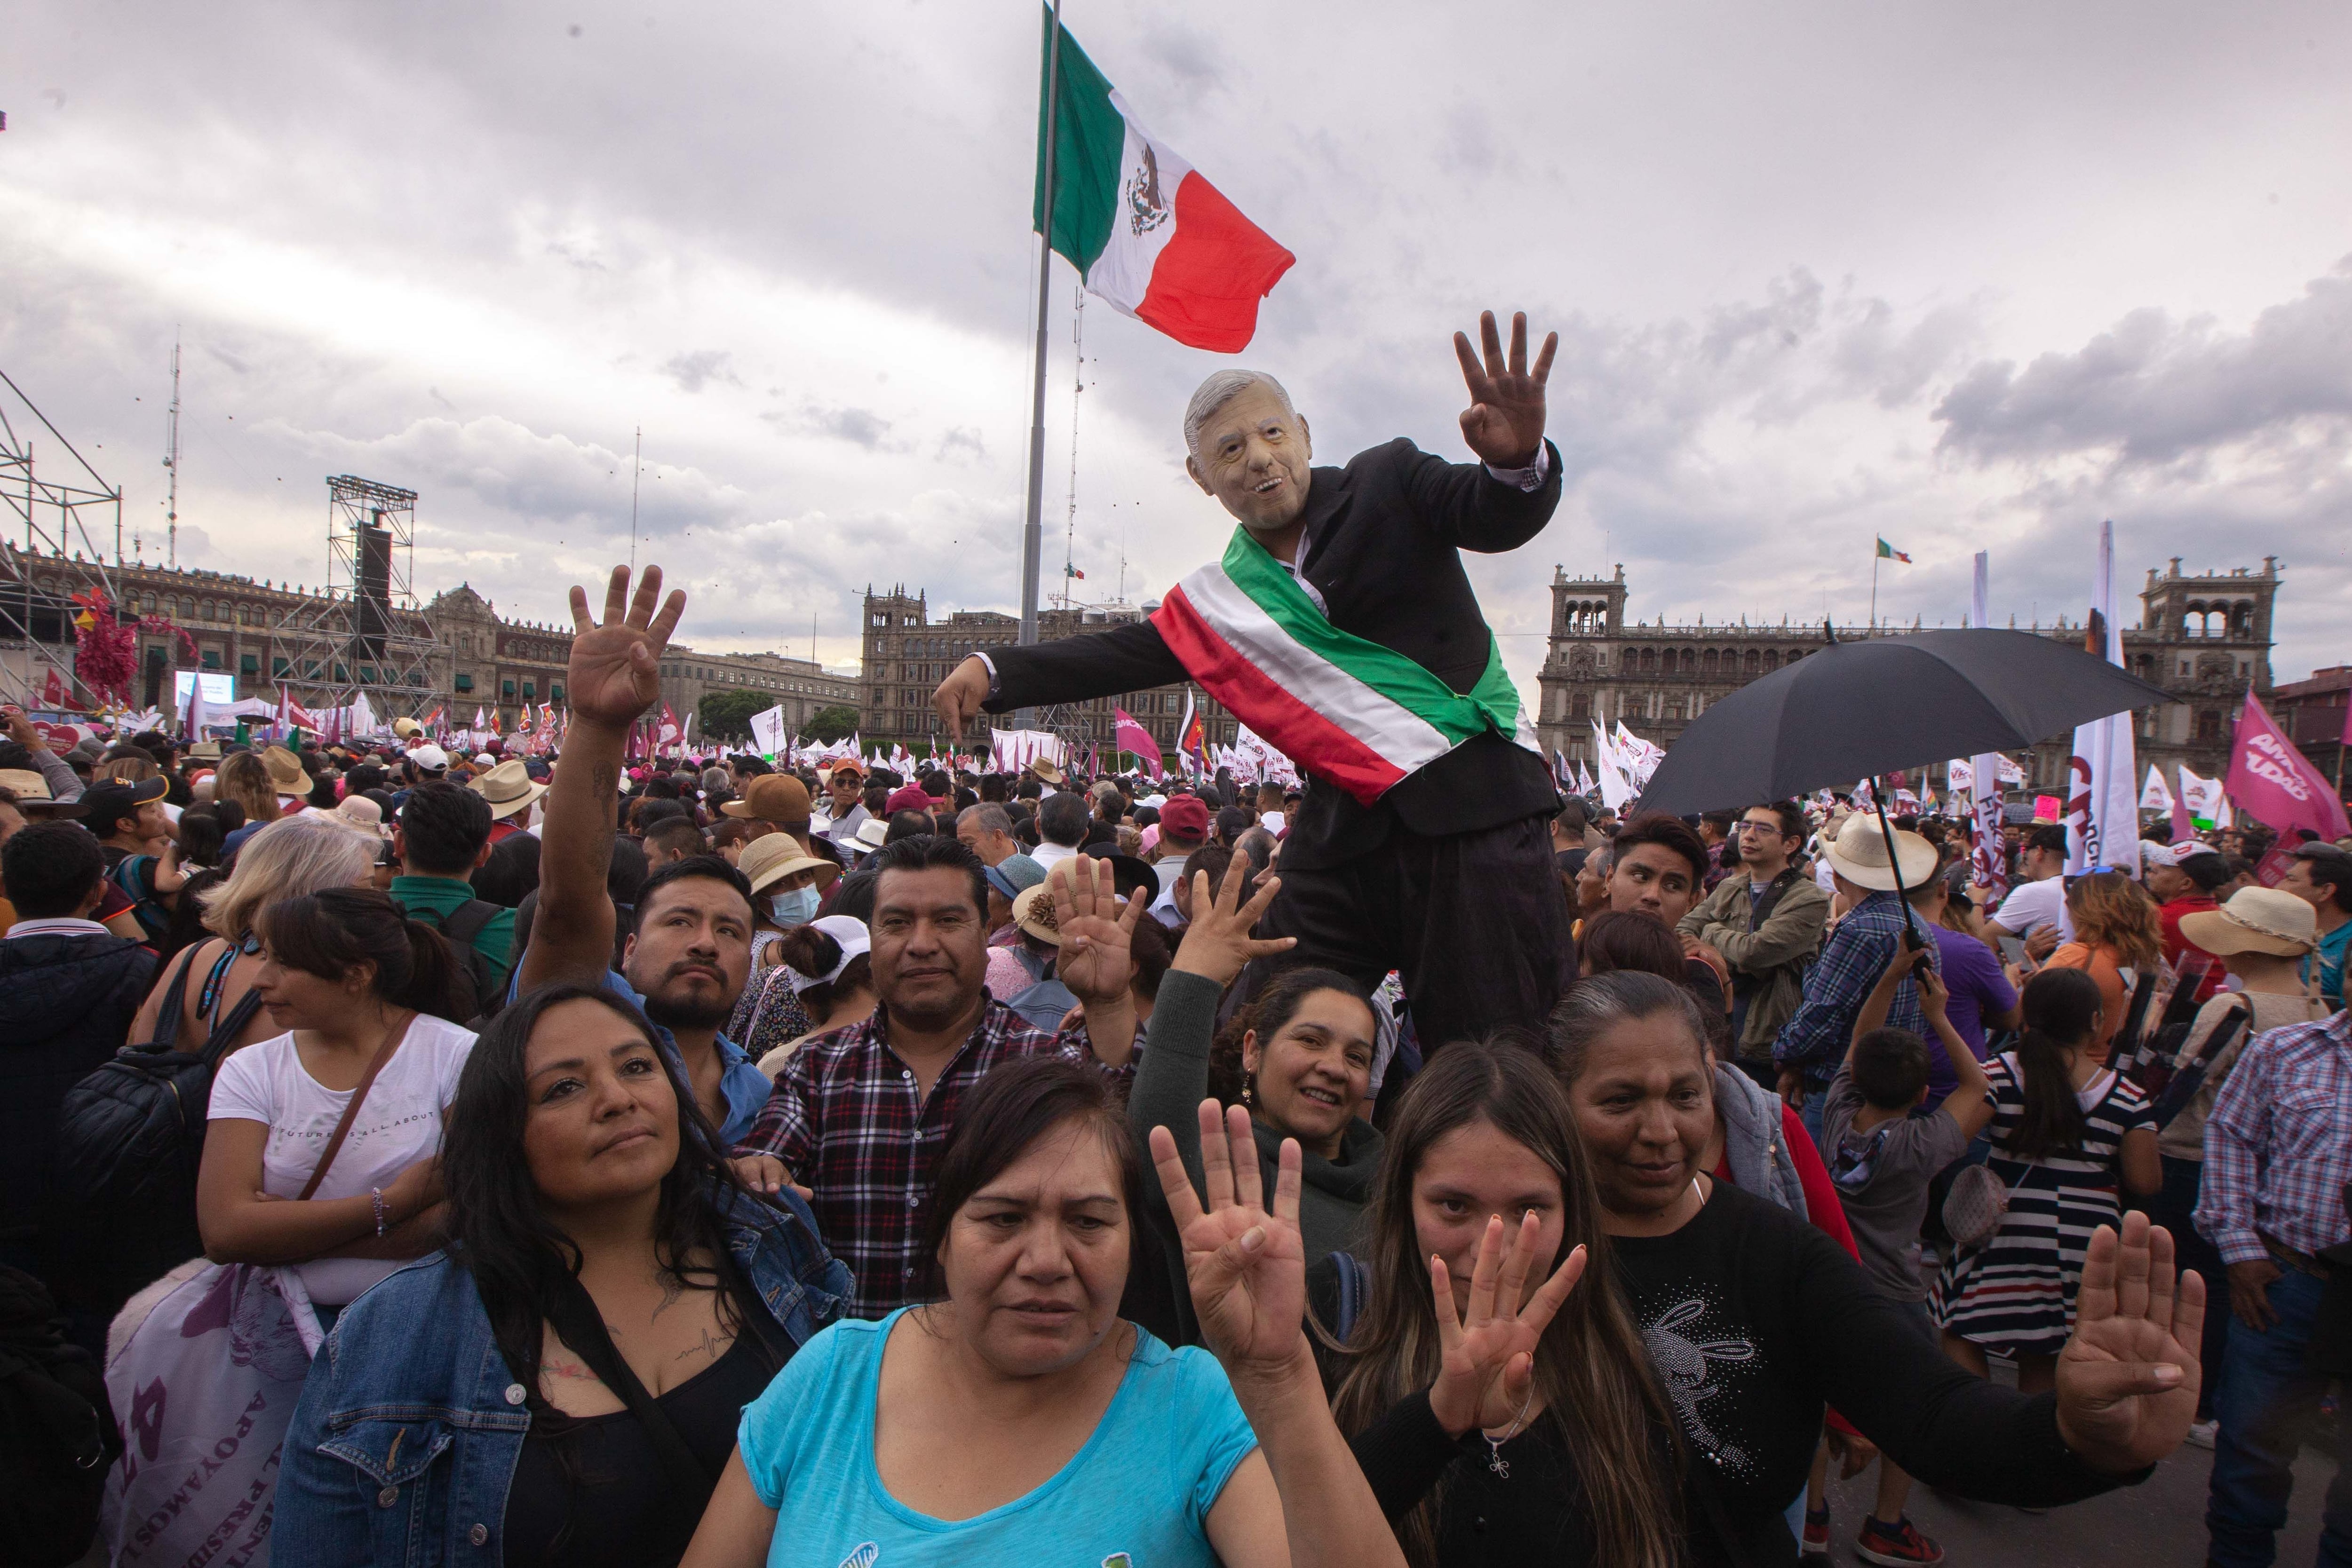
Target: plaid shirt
x,y
1858,951
2278,1145
850,1122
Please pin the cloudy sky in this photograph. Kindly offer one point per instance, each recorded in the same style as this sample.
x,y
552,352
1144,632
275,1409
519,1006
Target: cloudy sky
x,y
1967,277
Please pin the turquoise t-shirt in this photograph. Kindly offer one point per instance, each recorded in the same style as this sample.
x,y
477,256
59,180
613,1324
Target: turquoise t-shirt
x,y
1137,1495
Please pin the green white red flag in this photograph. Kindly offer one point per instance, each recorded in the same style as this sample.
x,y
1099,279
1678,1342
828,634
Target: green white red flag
x,y
1151,236
1343,707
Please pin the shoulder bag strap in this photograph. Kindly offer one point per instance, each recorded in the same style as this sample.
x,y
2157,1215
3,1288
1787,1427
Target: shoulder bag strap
x,y
580,1325
224,1032
351,1109
167,1020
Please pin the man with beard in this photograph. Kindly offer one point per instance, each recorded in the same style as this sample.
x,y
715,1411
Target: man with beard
x,y
686,960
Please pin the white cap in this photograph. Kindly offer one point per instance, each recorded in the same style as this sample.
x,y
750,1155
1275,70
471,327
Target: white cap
x,y
845,929
2173,855
432,758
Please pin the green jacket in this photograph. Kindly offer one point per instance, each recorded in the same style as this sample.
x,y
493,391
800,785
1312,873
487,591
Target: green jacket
x,y
1768,963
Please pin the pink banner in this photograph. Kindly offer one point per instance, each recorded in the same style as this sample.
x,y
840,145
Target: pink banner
x,y
2269,779
1132,736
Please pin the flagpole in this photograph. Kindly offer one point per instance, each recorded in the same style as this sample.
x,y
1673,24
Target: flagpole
x,y
1032,532
1873,588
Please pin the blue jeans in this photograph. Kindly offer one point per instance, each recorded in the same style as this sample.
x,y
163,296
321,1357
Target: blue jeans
x,y
2173,1207
1810,1112
2267,1401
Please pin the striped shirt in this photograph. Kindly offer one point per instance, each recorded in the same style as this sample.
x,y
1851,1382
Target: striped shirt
x,y
2278,1145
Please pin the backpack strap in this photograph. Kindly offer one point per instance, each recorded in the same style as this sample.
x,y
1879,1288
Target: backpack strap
x,y
1354,1285
468,921
167,1021
226,1031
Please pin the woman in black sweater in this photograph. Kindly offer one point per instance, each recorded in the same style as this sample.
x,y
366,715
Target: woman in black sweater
x,y
1498,1406
1754,1320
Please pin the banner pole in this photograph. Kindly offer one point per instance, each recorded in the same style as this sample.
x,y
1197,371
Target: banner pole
x,y
1032,534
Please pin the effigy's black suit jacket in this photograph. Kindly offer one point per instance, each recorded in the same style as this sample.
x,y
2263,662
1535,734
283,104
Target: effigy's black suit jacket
x,y
1382,546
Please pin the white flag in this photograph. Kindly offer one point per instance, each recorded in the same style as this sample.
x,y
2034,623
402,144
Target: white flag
x,y
2156,795
2102,807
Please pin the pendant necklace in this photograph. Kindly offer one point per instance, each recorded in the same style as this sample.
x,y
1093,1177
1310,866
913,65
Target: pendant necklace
x,y
1495,1460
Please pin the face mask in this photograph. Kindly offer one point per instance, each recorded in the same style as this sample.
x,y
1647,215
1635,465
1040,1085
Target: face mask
x,y
797,907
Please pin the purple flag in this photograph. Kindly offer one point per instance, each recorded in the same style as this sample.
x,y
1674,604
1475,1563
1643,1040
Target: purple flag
x,y
2271,780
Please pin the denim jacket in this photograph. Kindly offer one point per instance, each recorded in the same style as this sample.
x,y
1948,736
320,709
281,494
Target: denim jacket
x,y
410,1425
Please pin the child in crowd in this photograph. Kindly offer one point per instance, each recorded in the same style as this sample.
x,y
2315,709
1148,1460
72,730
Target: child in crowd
x,y
1884,1148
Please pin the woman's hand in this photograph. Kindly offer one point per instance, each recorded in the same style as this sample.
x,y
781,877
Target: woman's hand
x,y
2128,1379
1488,1367
2042,942
1218,943
1246,1266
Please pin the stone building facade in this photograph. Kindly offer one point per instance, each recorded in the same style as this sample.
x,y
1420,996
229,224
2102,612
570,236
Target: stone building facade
x,y
908,655
2203,637
480,659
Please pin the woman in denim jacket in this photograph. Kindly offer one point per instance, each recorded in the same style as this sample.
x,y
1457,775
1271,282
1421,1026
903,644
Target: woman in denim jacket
x,y
562,1384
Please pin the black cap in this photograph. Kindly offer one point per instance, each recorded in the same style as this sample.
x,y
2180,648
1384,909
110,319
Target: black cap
x,y
108,803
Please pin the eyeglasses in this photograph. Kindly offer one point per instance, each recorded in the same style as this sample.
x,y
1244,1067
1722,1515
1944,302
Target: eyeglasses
x,y
1746,827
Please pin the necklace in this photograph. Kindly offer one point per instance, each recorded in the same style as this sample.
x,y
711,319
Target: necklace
x,y
1495,1460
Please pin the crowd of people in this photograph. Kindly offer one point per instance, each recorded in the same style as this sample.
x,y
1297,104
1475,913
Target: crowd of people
x,y
585,1160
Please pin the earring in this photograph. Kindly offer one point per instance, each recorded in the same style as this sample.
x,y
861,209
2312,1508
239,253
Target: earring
x,y
1249,1096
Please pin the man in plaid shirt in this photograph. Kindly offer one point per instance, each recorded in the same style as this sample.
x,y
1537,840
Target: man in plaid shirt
x,y
1814,1040
2278,1156
862,1116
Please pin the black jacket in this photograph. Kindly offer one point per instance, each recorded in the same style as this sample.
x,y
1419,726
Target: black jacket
x,y
66,1003
1383,541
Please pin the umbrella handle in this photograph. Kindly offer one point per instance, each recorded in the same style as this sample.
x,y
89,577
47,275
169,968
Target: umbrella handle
x,y
1911,940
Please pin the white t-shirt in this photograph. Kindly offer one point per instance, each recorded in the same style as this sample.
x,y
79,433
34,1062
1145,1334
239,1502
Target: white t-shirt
x,y
399,1125
2033,904
1271,821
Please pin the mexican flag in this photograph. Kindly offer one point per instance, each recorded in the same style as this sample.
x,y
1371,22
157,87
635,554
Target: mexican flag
x,y
1150,235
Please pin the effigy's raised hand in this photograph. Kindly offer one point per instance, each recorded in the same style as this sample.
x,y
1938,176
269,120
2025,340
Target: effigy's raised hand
x,y
2128,1377
615,672
1247,1264
1504,421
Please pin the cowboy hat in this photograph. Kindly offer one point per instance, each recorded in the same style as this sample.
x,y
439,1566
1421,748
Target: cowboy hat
x,y
507,788
1858,854
1046,771
286,775
773,798
360,815
1033,913
33,796
872,833
204,752
2255,920
772,857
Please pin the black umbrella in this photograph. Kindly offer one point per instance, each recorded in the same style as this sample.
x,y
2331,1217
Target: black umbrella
x,y
1853,710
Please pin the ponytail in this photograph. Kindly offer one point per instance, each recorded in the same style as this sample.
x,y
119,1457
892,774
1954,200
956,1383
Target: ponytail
x,y
329,932
2062,1009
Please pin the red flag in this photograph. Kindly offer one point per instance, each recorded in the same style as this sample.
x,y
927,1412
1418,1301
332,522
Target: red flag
x,y
53,691
2269,777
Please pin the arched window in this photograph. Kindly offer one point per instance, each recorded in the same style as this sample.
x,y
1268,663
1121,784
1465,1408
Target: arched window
x,y
1690,662
1710,663
1754,661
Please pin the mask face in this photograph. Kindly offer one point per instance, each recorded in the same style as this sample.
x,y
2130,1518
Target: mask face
x,y
797,907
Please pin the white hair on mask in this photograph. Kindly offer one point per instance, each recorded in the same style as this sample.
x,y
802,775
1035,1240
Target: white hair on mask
x,y
1220,389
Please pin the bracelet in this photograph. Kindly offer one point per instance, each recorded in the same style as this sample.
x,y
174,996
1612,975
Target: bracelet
x,y
375,1196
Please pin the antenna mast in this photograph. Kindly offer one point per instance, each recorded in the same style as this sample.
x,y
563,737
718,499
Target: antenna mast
x,y
171,461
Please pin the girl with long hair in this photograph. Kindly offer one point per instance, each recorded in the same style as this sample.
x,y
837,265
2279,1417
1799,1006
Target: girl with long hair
x,y
2066,1129
1754,1320
2116,934
610,1299
1501,1406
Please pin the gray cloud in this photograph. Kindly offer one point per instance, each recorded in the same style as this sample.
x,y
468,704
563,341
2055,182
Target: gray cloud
x,y
858,427
699,369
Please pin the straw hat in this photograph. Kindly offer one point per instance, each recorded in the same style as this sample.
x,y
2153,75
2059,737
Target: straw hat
x,y
286,775
1033,913
773,798
1046,771
871,833
772,857
1859,854
204,752
360,815
507,788
405,728
2255,920
33,796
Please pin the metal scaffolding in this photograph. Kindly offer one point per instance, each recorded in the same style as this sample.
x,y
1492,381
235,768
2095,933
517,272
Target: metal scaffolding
x,y
49,555
365,633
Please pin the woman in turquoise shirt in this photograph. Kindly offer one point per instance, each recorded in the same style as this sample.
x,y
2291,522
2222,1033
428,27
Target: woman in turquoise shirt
x,y
1016,1418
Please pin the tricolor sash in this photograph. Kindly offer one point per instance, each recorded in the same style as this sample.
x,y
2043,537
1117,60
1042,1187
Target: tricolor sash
x,y
1344,708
